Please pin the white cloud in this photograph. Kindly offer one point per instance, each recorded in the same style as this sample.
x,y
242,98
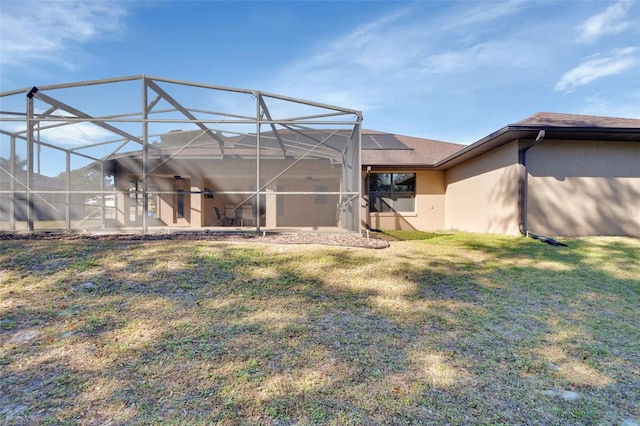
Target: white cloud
x,y
597,102
453,61
483,13
606,105
339,72
370,47
52,31
69,135
506,53
612,21
397,54
76,135
598,66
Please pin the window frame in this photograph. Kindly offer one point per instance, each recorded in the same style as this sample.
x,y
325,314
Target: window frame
x,y
392,194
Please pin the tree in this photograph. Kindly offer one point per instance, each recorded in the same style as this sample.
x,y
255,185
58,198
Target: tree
x,y
86,179
5,163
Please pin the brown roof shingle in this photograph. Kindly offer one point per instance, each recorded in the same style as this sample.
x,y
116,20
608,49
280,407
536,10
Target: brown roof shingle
x,y
420,152
552,119
559,126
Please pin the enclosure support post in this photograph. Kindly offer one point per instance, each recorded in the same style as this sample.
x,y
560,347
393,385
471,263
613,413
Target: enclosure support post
x,y
67,196
145,158
358,175
103,209
12,185
258,97
30,125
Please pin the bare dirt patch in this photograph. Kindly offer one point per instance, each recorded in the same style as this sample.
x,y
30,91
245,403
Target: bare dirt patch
x,y
321,238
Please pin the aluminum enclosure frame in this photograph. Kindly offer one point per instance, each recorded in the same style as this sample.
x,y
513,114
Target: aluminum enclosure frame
x,y
141,174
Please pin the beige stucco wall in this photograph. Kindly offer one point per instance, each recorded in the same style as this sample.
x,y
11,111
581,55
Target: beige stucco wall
x,y
232,181
584,188
482,194
429,212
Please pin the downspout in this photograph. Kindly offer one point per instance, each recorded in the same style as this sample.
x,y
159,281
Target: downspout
x,y
522,187
367,200
523,193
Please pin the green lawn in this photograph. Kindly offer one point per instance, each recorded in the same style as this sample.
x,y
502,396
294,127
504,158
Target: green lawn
x,y
450,329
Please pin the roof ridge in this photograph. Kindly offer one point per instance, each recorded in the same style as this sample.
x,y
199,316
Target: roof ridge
x,y
557,119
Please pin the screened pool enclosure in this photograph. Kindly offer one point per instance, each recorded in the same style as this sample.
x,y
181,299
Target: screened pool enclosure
x,y
146,154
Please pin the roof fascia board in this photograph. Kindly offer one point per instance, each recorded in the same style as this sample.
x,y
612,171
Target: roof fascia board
x,y
398,166
514,132
581,129
500,137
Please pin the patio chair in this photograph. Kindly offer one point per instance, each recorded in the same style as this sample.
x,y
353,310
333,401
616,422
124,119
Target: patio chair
x,y
231,214
222,218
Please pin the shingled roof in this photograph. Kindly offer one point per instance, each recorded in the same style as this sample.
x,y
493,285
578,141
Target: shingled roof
x,y
556,126
388,150
552,119
419,152
430,153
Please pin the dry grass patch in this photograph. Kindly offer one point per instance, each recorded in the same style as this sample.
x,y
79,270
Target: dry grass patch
x,y
445,329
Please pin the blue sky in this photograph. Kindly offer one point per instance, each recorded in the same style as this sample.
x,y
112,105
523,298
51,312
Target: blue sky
x,y
452,71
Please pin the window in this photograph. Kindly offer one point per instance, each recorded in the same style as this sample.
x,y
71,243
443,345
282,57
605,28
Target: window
x,y
135,200
321,198
279,201
180,209
392,192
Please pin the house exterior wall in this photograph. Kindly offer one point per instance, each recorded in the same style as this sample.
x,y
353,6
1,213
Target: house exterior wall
x,y
232,183
482,194
580,188
429,205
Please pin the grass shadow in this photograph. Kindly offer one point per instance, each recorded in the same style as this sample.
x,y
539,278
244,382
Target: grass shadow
x,y
446,330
